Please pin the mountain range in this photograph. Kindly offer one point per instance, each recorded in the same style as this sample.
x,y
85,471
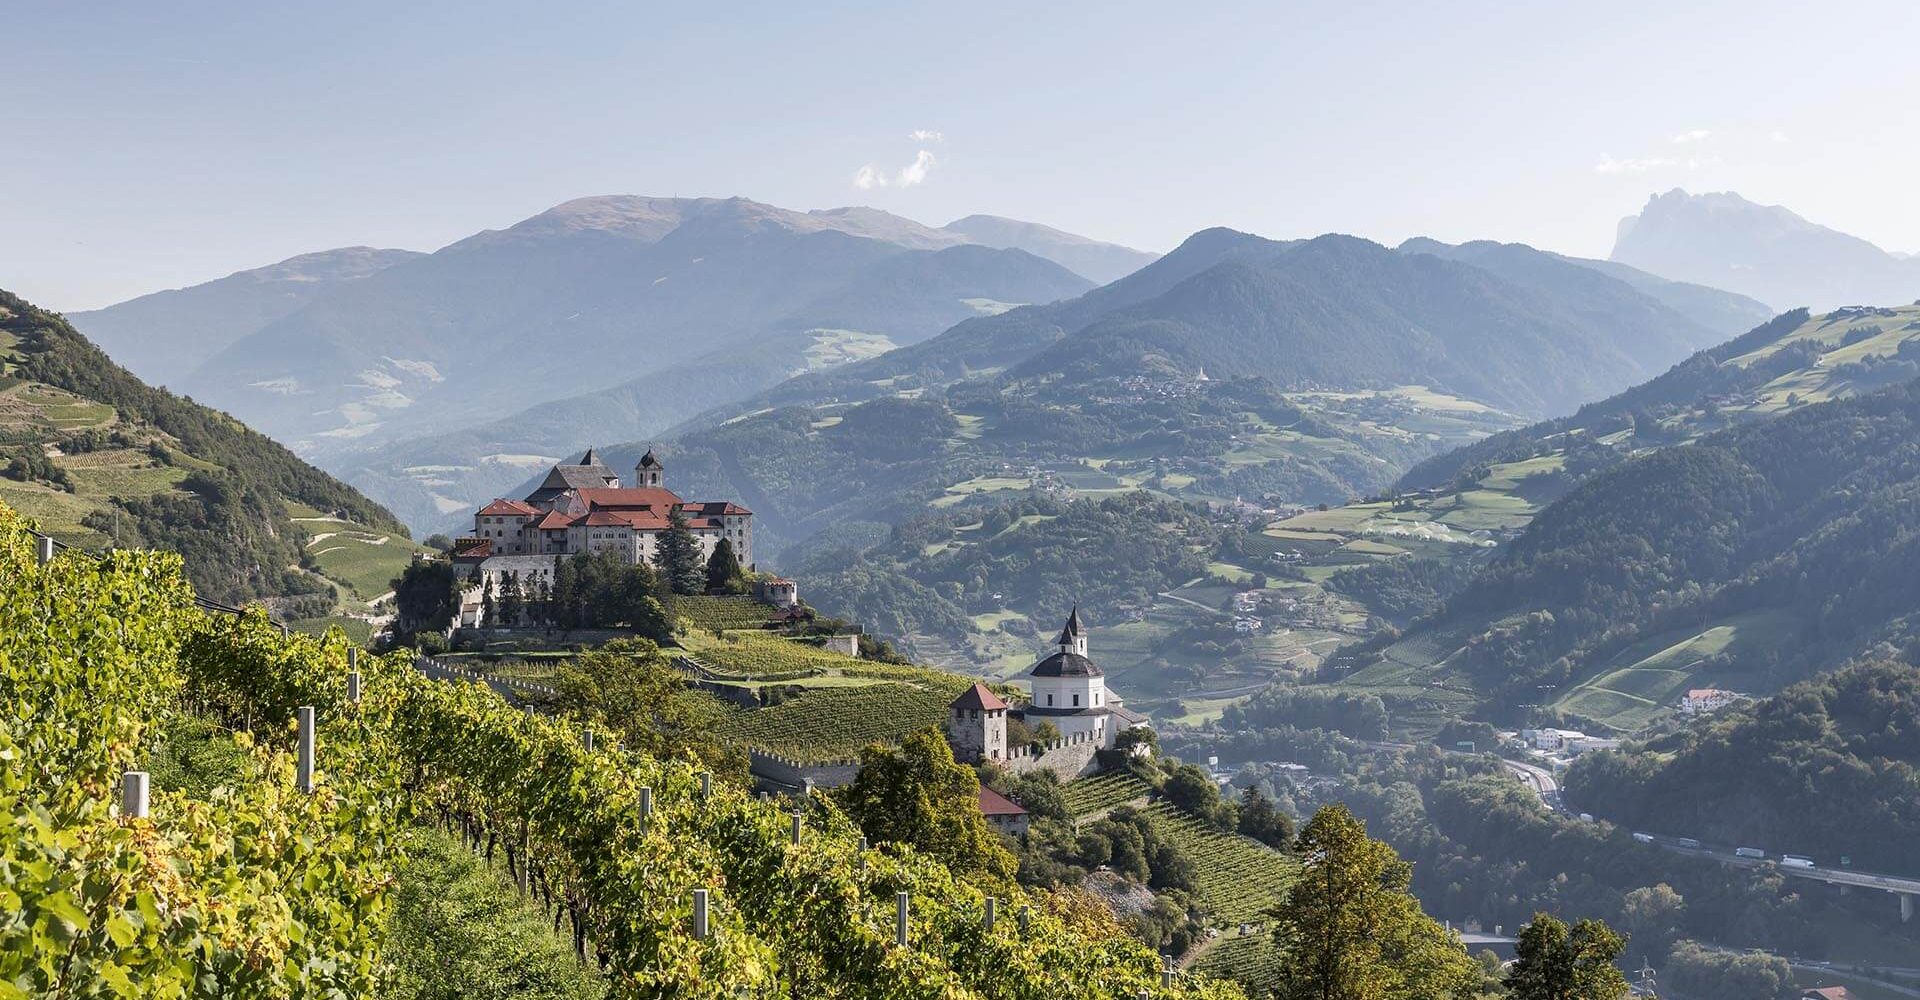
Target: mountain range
x,y
1763,251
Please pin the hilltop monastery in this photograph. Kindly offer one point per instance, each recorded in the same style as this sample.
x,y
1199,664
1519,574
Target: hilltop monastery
x,y
583,507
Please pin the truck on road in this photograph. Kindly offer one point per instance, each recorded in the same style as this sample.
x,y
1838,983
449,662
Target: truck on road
x,y
1749,852
1795,861
1644,838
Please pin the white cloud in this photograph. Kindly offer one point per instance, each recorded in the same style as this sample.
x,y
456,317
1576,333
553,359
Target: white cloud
x,y
870,176
1692,135
916,172
926,135
1778,136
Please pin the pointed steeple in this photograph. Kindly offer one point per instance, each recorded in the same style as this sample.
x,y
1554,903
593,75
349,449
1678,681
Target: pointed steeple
x,y
647,461
591,458
1073,637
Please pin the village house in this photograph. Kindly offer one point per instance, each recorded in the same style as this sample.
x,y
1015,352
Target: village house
x,y
583,507
1002,813
1698,700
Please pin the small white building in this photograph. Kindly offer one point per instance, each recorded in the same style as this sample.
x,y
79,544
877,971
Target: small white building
x,y
1070,691
1698,700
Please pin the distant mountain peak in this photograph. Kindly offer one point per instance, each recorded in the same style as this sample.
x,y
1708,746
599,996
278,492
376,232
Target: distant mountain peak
x,y
1095,260
1769,252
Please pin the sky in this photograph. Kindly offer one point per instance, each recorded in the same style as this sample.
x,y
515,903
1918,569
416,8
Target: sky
x,y
160,145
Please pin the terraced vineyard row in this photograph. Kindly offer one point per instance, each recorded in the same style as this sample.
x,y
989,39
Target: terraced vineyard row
x,y
1246,959
1104,791
831,723
1240,877
751,655
709,612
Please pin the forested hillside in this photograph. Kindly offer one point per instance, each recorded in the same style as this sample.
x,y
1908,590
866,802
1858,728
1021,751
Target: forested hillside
x,y
103,457
1748,559
1827,768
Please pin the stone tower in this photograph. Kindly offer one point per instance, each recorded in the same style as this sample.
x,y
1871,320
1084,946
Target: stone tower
x,y
977,726
649,472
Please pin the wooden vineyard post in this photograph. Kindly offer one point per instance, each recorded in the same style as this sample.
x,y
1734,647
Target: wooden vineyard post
x,y
133,795
303,775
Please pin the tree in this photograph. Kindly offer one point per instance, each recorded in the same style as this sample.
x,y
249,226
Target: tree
x,y
487,607
678,556
1350,931
439,543
1262,821
1652,916
629,685
1558,963
426,597
512,600
918,794
723,571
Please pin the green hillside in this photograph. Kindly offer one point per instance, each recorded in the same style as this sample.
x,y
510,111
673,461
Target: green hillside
x,y
1748,558
100,458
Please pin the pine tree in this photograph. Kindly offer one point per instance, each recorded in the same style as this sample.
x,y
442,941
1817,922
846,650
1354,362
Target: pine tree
x,y
511,600
486,602
723,571
678,556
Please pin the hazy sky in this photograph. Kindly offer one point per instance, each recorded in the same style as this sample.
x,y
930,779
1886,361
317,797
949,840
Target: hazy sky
x,y
157,145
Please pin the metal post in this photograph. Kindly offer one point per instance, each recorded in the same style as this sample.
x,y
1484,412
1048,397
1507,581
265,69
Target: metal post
x,y
646,806
863,854
797,820
700,914
43,548
706,786
986,919
1026,913
1166,973
586,740
353,687
133,795
304,772
900,918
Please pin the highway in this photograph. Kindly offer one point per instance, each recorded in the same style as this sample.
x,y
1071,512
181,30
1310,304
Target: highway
x,y
1543,783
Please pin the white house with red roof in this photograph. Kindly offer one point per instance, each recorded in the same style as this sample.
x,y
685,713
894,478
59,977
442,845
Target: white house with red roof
x,y
584,507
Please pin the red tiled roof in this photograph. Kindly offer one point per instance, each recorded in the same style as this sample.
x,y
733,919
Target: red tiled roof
x,y
639,520
993,803
554,521
978,696
631,497
510,507
472,548
713,508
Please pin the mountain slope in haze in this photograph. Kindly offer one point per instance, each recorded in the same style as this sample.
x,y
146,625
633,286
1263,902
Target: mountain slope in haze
x,y
1340,313
1616,333
1724,313
166,335
1101,263
1765,251
594,293
99,458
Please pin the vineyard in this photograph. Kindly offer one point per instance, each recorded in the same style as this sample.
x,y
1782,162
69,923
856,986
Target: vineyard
x,y
760,655
1240,877
835,722
1247,959
710,613
1090,795
269,888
